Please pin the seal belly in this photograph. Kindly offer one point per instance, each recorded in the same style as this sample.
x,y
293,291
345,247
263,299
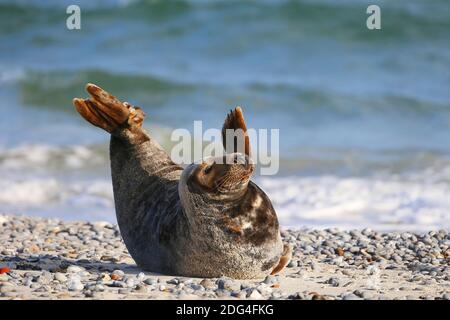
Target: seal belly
x,y
238,239
216,255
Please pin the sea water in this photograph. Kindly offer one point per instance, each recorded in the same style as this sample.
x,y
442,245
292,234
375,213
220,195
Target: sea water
x,y
364,115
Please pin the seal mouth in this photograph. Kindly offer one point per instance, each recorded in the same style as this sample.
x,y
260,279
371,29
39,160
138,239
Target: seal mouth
x,y
222,176
235,177
231,183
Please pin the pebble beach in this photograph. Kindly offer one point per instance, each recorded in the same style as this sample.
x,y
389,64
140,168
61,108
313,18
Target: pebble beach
x,y
54,259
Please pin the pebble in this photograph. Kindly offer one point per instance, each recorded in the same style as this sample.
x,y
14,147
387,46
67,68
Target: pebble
x,y
60,277
89,294
118,284
271,280
239,294
28,281
227,284
276,295
75,285
334,282
254,294
350,296
354,249
220,293
291,264
151,281
197,287
129,282
117,274
208,284
141,276
74,269
84,259
173,281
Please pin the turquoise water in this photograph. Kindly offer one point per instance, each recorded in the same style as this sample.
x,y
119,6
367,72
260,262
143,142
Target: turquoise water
x,y
354,106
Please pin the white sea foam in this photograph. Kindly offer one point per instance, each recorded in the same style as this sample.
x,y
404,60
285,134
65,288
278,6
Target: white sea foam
x,y
385,203
376,202
43,155
415,201
30,192
90,200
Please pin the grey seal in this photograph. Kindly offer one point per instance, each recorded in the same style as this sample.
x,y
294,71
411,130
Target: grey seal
x,y
207,220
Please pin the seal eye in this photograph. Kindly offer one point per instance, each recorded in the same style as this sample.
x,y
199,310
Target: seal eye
x,y
207,170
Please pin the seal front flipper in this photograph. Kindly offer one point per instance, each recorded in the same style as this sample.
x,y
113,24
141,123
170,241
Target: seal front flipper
x,y
284,260
106,111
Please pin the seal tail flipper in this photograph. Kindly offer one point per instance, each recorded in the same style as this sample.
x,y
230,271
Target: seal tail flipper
x,y
284,260
235,121
106,111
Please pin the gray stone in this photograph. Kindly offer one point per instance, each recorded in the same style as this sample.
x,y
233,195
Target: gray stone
x,y
350,296
74,269
292,264
334,282
118,284
220,293
173,281
129,282
75,285
254,294
239,294
197,287
151,281
271,280
227,284
141,276
354,249
60,277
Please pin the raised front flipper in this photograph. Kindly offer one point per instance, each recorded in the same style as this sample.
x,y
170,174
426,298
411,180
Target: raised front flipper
x,y
106,111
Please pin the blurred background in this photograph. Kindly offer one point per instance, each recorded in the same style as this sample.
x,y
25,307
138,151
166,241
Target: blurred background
x,y
364,116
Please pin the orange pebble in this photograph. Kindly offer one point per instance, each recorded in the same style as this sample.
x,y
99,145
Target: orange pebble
x,y
115,277
5,270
